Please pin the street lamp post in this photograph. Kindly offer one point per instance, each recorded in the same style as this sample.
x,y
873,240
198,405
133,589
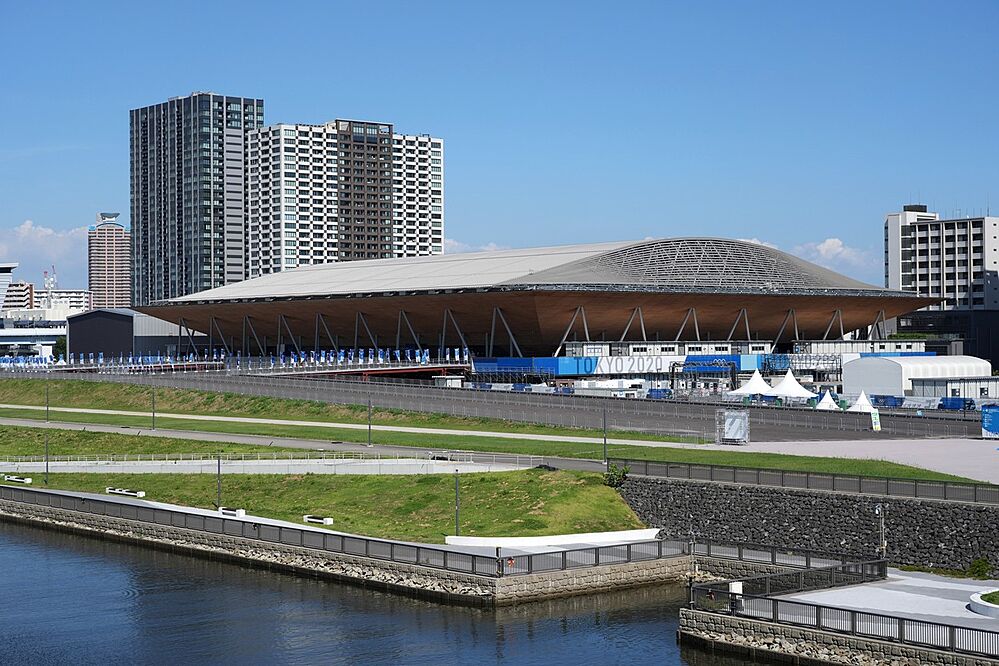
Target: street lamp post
x,y
154,408
46,402
46,457
369,420
879,511
457,505
218,483
605,437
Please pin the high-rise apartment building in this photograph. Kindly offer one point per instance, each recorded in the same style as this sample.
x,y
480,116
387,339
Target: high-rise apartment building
x,y
187,186
109,251
341,191
955,260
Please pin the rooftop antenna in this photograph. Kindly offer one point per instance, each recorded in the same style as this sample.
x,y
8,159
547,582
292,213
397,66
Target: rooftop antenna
x,y
49,279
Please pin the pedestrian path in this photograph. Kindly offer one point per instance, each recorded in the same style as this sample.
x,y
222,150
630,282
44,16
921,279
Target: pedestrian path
x,y
345,426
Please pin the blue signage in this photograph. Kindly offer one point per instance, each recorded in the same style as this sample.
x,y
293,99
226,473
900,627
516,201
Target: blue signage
x,y
990,421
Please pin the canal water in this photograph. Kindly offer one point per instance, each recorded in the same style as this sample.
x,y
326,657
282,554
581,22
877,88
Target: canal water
x,y
69,599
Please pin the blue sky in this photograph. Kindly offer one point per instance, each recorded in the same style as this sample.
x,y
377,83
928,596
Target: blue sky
x,y
798,124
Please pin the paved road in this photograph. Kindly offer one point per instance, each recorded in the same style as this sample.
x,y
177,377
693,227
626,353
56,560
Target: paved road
x,y
657,416
347,426
970,458
919,596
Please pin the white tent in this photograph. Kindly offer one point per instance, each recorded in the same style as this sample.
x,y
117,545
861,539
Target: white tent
x,y
755,386
827,402
790,388
862,404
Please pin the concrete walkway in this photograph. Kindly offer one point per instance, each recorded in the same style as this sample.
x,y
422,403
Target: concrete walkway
x,y
920,596
265,442
971,458
300,466
346,426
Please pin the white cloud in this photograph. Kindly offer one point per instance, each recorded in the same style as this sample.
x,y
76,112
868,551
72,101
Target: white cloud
x,y
37,248
452,246
757,241
834,254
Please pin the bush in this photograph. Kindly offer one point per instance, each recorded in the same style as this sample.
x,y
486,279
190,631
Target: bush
x,y
980,568
615,476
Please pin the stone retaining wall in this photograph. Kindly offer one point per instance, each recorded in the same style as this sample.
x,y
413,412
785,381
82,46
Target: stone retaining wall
x,y
919,532
767,642
437,584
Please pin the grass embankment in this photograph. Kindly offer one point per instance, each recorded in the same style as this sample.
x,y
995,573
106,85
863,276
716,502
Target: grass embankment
x,y
415,508
130,397
991,598
16,441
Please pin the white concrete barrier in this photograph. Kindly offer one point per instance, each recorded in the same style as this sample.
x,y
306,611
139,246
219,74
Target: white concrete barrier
x,y
984,607
589,539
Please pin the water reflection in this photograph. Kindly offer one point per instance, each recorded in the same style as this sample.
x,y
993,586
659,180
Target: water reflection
x,y
72,599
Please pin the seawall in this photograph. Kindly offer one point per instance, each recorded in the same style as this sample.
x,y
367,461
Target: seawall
x,y
167,532
931,533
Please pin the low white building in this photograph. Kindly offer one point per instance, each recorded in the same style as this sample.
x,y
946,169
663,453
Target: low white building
x,y
893,375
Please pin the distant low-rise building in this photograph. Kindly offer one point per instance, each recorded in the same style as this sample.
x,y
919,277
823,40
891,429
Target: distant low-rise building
x,y
6,276
20,296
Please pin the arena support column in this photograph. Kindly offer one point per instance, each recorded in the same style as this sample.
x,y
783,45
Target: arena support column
x,y
691,313
837,314
321,321
244,343
641,320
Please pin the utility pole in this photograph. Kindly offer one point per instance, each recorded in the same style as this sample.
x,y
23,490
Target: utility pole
x,y
369,420
457,505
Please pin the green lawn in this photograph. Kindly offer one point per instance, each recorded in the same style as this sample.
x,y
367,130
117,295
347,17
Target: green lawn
x,y
16,441
991,598
416,508
129,397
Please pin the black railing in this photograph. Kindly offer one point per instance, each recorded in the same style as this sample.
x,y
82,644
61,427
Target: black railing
x,y
867,485
907,631
806,580
423,555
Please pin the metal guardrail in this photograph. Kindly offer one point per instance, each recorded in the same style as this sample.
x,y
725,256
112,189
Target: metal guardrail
x,y
382,549
428,556
821,577
714,598
980,493
522,460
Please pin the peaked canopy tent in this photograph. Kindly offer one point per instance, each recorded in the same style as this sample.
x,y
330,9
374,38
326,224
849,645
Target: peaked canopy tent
x,y
755,386
827,403
863,404
790,388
